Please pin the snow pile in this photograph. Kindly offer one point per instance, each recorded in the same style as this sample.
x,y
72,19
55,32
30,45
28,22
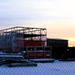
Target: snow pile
x,y
56,68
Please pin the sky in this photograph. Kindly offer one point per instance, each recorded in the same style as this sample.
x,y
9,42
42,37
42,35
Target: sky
x,y
58,16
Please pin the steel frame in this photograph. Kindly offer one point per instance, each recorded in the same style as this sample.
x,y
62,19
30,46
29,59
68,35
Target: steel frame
x,y
10,36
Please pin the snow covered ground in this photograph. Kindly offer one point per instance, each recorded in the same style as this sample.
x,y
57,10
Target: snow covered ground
x,y
56,68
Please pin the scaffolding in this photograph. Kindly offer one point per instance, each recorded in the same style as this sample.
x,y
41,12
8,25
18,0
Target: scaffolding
x,y
15,39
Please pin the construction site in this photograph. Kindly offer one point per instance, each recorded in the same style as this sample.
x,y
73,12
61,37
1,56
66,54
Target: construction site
x,y
30,42
26,44
18,38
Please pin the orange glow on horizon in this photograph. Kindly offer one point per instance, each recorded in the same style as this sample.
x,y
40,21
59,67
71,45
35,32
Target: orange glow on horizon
x,y
71,40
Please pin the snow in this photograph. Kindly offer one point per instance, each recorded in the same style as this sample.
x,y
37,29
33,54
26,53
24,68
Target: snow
x,y
10,57
56,68
45,59
7,56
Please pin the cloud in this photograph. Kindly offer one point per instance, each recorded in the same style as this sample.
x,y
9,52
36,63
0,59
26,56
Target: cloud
x,y
36,9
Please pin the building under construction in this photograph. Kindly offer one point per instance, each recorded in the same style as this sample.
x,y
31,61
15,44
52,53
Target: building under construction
x,y
18,38
28,39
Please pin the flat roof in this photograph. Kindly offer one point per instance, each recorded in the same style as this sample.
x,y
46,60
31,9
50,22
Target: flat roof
x,y
56,39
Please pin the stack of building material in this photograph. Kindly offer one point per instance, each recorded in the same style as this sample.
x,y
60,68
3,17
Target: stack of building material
x,y
22,64
14,60
11,57
43,60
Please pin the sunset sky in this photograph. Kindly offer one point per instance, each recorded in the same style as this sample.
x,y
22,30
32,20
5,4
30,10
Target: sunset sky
x,y
58,16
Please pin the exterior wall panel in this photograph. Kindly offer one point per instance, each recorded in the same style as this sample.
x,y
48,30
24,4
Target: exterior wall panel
x,y
33,43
